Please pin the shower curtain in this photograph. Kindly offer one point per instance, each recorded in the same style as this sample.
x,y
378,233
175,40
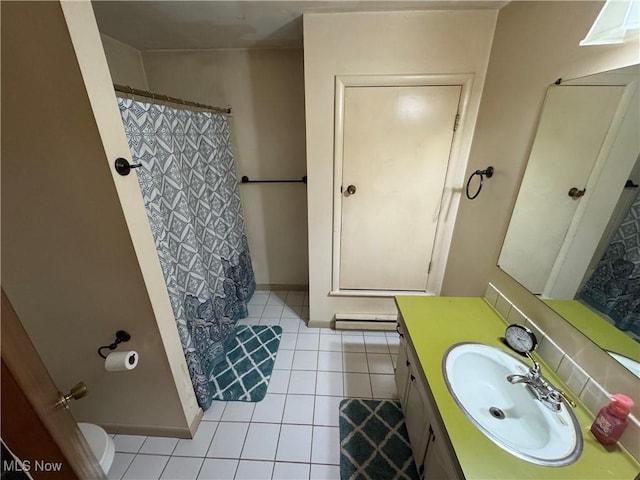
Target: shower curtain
x,y
190,190
614,286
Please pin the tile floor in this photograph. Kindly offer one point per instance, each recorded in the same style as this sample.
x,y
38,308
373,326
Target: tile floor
x,y
292,433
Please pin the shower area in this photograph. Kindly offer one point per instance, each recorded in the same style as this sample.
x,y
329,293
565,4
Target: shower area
x,y
613,287
183,156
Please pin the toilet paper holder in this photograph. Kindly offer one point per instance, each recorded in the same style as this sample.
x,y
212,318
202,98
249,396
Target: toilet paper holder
x,y
121,336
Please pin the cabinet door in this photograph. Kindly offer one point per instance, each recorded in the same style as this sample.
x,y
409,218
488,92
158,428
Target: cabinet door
x,y
436,465
402,373
415,419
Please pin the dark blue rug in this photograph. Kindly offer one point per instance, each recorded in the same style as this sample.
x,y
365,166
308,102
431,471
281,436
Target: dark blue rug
x,y
374,444
245,373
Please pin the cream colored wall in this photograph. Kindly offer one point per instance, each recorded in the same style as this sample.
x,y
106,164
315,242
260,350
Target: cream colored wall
x,y
375,43
265,89
125,63
76,267
535,43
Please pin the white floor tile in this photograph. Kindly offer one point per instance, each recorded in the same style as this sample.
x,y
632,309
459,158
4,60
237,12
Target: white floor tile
x,y
332,343
252,470
330,383
146,467
393,343
275,300
326,411
182,468
306,299
259,298
384,387
299,409
261,441
270,409
121,462
305,359
284,360
270,321
295,298
290,471
128,443
374,333
292,311
330,361
305,312
272,311
255,311
288,341
228,440
380,363
294,444
159,445
351,343
249,321
279,382
238,412
357,385
218,469
214,412
198,445
290,325
308,341
324,472
355,362
302,382
326,445
376,344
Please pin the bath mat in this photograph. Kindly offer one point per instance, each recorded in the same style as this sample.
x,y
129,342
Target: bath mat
x,y
374,444
245,373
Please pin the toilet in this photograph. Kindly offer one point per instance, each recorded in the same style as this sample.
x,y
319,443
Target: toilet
x,y
101,444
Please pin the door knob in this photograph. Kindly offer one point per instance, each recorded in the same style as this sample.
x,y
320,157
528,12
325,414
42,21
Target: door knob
x,y
576,193
78,391
351,189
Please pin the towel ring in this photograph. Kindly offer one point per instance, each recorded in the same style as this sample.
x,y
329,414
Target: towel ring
x,y
488,172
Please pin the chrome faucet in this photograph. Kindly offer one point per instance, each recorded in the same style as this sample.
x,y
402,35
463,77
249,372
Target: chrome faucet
x,y
541,388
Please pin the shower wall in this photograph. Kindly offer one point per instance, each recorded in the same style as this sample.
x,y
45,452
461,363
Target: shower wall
x,y
266,91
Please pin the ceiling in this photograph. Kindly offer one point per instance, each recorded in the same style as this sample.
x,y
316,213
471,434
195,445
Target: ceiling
x,y
186,25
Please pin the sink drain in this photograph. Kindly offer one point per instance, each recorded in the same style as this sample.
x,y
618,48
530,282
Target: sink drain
x,y
497,413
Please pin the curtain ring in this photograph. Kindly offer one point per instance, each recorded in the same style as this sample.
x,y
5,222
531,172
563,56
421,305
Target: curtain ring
x,y
488,172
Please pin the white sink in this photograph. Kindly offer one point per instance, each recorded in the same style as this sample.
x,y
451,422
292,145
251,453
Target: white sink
x,y
508,414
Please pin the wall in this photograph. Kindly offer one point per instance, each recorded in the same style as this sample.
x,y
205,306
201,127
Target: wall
x,y
437,42
125,63
266,92
76,266
535,43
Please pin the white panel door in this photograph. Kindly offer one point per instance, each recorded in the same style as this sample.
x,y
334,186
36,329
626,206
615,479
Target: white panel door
x,y
397,141
573,126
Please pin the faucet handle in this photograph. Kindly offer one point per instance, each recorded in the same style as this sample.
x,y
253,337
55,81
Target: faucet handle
x,y
535,370
566,398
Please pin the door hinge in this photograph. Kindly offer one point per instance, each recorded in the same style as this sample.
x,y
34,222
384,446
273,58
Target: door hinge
x,y
456,123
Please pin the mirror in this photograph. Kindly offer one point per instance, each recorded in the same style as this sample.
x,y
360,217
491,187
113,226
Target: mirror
x,y
574,235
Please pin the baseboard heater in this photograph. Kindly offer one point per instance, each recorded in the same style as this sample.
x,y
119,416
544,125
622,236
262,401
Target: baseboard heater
x,y
366,321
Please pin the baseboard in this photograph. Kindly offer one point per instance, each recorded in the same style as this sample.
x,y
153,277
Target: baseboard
x,y
376,325
150,430
281,286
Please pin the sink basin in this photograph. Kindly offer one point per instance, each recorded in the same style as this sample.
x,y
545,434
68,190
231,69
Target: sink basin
x,y
509,415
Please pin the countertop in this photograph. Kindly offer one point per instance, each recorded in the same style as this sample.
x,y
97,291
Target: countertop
x,y
433,324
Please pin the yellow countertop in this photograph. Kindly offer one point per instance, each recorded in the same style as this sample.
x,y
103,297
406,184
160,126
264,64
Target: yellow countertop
x,y
433,324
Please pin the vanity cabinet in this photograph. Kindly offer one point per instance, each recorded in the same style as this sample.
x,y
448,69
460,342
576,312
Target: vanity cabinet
x,y
430,452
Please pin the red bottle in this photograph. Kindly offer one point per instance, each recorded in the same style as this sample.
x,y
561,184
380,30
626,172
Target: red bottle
x,y
612,419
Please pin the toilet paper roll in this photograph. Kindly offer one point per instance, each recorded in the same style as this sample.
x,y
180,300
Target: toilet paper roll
x,y
119,361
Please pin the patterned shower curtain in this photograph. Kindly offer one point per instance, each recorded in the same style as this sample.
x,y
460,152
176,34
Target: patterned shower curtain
x,y
190,189
614,286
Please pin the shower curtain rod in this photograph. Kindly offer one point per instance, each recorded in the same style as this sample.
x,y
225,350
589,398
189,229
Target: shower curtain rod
x,y
166,98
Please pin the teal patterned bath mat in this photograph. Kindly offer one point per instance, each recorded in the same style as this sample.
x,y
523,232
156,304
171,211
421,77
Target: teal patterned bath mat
x,y
245,373
374,444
